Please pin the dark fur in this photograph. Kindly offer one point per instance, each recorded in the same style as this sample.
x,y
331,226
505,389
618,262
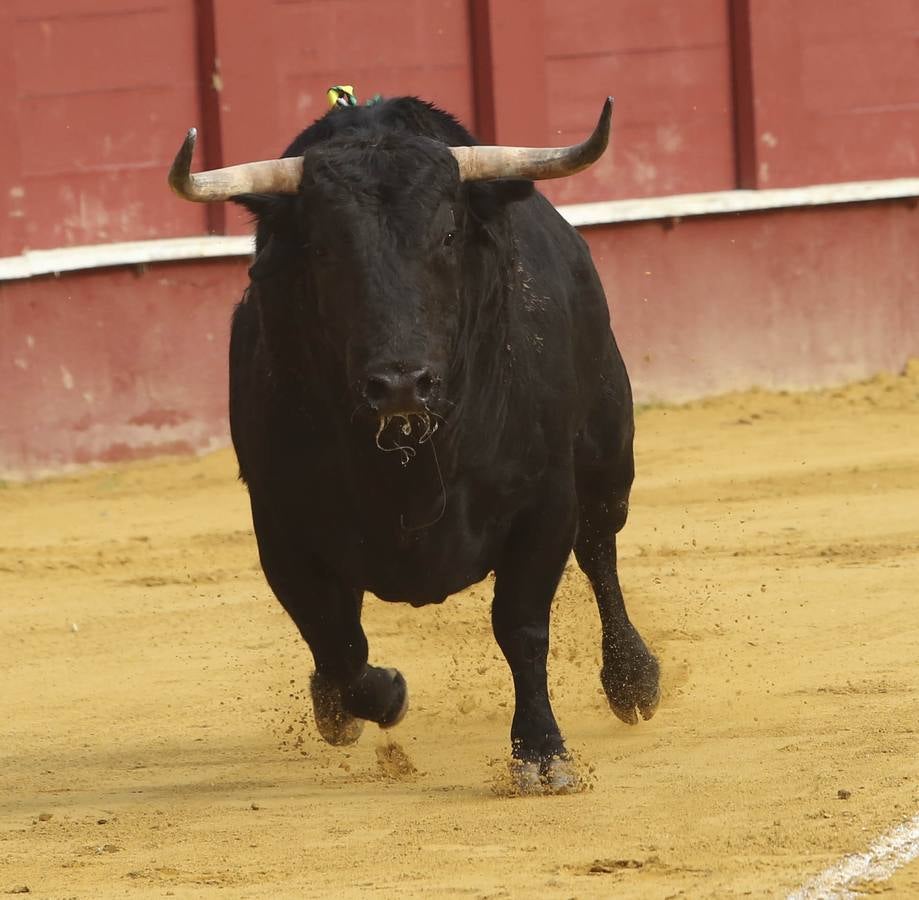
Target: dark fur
x,y
534,447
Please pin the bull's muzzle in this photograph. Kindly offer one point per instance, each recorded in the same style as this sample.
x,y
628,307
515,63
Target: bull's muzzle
x,y
393,391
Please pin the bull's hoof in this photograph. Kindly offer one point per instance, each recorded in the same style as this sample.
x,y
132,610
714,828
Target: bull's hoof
x,y
399,706
631,680
560,776
379,695
630,711
554,775
525,778
335,724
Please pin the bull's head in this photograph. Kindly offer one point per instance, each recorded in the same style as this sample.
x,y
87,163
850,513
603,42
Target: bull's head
x,y
375,239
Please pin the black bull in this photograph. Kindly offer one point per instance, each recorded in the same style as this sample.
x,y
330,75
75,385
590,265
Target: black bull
x,y
424,388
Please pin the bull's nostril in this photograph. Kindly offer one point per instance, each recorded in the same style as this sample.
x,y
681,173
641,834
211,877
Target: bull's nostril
x,y
376,388
424,385
399,389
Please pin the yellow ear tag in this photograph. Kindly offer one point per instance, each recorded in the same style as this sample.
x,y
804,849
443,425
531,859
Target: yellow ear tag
x,y
341,95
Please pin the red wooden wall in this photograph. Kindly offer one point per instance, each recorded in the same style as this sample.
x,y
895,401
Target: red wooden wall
x,y
831,90
107,365
668,64
111,364
92,95
711,94
95,96
274,68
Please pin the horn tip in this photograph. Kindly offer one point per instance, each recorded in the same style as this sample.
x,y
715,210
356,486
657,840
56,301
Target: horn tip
x,y
600,138
607,112
179,172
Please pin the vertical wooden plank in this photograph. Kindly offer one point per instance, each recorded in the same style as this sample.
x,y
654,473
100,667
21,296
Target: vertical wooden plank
x,y
209,85
482,73
779,120
836,90
248,90
12,191
668,64
509,71
96,131
743,94
351,41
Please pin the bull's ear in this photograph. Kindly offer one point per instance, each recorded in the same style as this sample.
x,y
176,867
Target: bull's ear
x,y
266,261
488,198
275,213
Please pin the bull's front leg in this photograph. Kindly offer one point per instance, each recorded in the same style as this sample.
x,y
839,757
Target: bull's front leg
x,y
526,577
345,689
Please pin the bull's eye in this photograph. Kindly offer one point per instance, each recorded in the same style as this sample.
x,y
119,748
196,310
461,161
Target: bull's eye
x,y
449,237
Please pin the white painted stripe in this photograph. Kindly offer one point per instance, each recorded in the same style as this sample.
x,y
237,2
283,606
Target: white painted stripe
x,y
130,253
888,853
609,212
722,202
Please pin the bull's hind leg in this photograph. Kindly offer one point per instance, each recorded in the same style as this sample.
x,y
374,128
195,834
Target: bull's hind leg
x,y
630,675
345,689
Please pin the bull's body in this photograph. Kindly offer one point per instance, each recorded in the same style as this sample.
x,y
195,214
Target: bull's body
x,y
532,454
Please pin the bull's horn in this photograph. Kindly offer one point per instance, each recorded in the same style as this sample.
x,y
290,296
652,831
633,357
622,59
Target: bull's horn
x,y
481,163
282,176
269,176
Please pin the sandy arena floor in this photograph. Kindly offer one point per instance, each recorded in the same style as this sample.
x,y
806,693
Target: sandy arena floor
x,y
155,736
